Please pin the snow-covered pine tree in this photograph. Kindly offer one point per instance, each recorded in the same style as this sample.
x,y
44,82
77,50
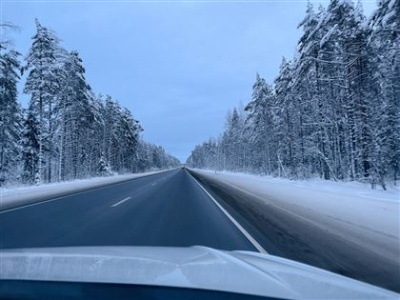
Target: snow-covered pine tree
x,y
10,110
285,121
129,130
111,113
43,85
311,78
30,147
385,40
336,109
10,115
68,132
307,87
259,127
78,120
232,140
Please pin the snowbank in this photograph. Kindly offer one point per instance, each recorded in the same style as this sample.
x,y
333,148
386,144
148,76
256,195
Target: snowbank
x,y
12,197
369,218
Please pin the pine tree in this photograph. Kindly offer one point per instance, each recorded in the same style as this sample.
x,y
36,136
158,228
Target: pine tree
x,y
259,126
385,40
68,132
10,114
42,85
31,147
77,113
334,110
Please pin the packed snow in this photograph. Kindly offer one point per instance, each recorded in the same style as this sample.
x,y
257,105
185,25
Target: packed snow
x,y
17,196
353,211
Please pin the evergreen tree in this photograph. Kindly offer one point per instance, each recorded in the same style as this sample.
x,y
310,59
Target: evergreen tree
x,y
334,109
385,40
42,85
259,126
31,147
10,114
68,132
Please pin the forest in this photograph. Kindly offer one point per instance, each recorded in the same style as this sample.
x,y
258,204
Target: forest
x,y
67,131
333,111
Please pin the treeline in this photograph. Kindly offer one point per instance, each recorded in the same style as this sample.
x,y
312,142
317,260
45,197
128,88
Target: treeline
x,y
67,131
332,111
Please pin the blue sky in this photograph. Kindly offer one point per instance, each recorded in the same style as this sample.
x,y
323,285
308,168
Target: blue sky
x,y
179,66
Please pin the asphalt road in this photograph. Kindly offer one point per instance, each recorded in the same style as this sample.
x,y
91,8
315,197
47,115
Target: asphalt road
x,y
171,209
165,209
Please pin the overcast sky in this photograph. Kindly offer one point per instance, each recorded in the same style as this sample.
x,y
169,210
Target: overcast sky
x,y
179,66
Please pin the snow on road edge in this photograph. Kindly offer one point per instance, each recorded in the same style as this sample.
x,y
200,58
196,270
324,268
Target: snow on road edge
x,y
366,217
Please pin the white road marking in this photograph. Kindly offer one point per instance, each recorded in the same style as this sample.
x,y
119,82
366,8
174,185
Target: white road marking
x,y
120,202
240,227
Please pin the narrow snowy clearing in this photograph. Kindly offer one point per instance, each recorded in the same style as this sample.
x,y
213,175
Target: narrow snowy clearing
x,y
352,211
18,196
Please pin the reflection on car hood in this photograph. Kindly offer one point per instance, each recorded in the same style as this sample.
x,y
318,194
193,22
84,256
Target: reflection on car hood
x,y
194,267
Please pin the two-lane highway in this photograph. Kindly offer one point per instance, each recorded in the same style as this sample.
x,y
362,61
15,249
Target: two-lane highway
x,y
172,209
165,209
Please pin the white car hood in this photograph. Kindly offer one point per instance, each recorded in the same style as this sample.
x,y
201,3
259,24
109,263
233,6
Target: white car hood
x,y
194,267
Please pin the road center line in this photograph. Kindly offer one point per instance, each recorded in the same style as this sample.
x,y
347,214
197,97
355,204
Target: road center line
x,y
120,202
240,227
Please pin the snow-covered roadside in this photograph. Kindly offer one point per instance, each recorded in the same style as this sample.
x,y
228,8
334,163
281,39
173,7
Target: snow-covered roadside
x,y
12,197
369,218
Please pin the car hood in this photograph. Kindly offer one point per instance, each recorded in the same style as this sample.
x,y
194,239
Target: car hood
x,y
194,267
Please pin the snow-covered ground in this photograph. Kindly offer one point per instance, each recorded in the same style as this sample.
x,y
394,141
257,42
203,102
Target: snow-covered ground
x,y
16,196
352,211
